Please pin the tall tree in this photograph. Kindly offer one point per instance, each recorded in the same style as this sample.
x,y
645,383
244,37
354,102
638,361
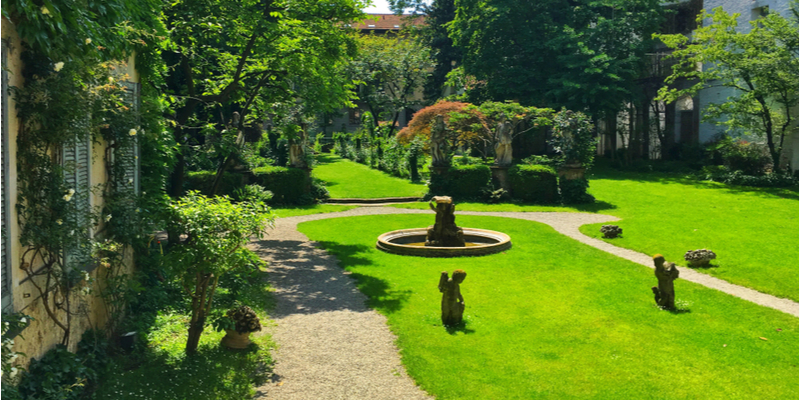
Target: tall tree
x,y
390,69
579,54
225,56
760,66
434,34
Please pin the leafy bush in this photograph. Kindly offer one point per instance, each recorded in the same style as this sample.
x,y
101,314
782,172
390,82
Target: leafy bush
x,y
535,183
58,375
574,191
203,181
288,185
253,193
573,138
461,182
749,158
721,173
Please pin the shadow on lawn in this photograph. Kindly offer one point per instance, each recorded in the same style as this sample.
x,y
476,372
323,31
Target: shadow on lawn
x,y
462,327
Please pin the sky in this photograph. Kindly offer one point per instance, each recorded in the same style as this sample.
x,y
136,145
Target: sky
x,y
378,7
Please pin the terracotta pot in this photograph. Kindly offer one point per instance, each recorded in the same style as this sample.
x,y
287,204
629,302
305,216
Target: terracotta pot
x,y
236,340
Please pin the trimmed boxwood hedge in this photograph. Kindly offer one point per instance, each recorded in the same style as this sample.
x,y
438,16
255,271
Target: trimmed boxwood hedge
x,y
534,183
288,185
461,182
204,180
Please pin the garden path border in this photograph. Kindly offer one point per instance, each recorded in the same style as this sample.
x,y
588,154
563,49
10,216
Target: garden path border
x,y
332,346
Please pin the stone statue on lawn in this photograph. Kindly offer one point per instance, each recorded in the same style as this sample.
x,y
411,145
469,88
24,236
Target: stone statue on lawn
x,y
438,143
666,272
502,147
452,301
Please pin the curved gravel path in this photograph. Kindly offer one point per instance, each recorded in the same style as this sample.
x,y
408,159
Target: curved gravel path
x,y
331,346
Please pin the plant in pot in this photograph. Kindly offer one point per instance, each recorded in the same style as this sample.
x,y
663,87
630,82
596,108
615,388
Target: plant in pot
x,y
238,323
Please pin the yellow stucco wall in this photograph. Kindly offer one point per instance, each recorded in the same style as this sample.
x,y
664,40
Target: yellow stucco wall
x,y
43,334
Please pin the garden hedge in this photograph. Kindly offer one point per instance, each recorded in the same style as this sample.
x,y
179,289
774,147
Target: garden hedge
x,y
534,183
204,180
461,182
288,185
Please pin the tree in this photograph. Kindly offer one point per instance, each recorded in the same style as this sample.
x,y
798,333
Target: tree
x,y
226,56
390,70
760,66
579,54
215,234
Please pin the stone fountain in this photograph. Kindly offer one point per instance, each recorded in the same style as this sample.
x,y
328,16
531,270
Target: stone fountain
x,y
444,238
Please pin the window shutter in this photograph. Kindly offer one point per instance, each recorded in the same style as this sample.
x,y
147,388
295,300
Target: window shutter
x,y
77,163
130,157
5,209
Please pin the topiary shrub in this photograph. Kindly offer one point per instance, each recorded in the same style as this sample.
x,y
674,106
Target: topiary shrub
x,y
573,191
461,182
534,183
203,181
288,185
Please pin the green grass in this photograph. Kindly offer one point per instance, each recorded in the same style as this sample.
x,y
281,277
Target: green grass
x,y
346,179
753,231
552,318
160,369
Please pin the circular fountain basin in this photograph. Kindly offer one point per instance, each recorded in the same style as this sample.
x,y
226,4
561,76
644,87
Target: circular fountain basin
x,y
411,242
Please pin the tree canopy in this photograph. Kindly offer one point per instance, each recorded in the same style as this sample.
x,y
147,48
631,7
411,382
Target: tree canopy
x,y
760,66
581,54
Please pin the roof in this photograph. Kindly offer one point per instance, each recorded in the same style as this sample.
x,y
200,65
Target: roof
x,y
387,22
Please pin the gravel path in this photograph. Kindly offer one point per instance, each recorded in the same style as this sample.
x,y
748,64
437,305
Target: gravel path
x,y
331,346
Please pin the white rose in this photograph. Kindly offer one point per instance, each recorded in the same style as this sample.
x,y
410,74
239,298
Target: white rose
x,y
132,132
58,66
87,41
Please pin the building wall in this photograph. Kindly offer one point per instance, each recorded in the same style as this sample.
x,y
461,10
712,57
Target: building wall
x,y
43,334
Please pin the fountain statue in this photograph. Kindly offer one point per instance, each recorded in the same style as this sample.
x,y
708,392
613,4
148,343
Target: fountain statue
x,y
444,238
444,233
452,301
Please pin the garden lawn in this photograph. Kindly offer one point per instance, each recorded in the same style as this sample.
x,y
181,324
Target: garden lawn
x,y
346,179
553,318
285,212
753,231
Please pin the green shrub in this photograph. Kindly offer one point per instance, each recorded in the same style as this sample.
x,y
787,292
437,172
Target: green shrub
x,y
58,375
461,182
749,158
203,181
288,185
534,183
574,191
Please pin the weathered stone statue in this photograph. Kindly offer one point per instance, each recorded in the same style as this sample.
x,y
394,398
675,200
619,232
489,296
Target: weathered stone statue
x,y
438,142
502,147
444,233
452,301
666,272
297,152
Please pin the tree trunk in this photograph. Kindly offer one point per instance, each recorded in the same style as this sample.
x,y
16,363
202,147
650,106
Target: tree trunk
x,y
195,331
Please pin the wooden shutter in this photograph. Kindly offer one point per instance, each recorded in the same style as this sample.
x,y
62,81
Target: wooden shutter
x,y
77,162
130,156
5,209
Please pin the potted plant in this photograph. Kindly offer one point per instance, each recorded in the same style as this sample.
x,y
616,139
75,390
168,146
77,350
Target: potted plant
x,y
574,140
238,324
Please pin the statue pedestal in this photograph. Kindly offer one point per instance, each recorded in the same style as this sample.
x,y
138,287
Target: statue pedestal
x,y
500,177
571,171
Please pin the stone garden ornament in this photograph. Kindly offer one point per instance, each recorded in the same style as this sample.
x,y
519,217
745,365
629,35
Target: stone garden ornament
x,y
610,231
699,258
502,147
444,232
666,272
452,301
438,142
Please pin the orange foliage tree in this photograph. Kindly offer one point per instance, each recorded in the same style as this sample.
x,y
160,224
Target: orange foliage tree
x,y
420,125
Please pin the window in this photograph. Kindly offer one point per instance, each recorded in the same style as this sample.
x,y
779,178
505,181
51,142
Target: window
x,y
355,116
76,159
131,156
